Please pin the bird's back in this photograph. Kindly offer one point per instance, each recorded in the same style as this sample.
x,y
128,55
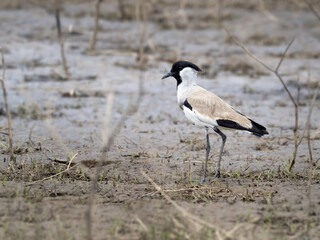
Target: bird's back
x,y
212,106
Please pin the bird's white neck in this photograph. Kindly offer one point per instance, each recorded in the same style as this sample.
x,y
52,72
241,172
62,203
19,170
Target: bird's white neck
x,y
188,76
188,81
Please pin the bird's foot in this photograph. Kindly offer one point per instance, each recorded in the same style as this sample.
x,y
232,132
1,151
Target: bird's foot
x,y
217,174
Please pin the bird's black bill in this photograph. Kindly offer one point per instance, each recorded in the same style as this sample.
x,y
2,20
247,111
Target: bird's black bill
x,y
169,74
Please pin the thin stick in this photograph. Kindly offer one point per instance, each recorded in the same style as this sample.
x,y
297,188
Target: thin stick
x,y
247,51
198,223
267,13
186,189
309,179
309,113
279,76
145,228
71,159
106,147
141,18
12,157
296,122
52,176
296,140
307,126
30,135
121,9
106,122
96,25
61,39
313,9
310,158
189,172
276,72
94,178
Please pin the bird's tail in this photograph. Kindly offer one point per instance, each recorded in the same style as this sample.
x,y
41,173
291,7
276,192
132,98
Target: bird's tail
x,y
257,129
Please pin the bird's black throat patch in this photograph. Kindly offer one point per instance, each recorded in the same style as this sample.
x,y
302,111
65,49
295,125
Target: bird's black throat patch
x,y
187,104
178,78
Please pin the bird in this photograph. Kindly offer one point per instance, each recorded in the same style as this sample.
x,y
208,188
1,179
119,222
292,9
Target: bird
x,y
205,109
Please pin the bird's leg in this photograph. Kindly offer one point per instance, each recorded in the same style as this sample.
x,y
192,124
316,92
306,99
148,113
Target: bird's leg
x,y
207,154
224,138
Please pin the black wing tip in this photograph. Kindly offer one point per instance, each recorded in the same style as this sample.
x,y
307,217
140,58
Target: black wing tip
x,y
230,124
259,134
257,129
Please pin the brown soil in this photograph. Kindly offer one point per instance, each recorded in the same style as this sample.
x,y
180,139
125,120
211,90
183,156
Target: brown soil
x,y
56,119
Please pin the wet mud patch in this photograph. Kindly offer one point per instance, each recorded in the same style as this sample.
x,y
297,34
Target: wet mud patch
x,y
56,77
39,171
35,111
235,186
56,118
265,40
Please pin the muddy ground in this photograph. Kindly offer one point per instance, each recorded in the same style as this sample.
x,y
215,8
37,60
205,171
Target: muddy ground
x,y
56,119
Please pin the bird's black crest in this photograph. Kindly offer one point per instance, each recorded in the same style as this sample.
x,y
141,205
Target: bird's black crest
x,y
178,66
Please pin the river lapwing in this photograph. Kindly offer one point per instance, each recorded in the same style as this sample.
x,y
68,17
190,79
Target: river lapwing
x,y
205,109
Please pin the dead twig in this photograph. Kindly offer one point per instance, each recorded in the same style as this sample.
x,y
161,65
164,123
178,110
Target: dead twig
x,y
108,141
309,113
145,228
267,13
309,180
121,9
96,25
30,142
71,159
61,38
195,220
185,190
57,174
5,98
94,179
312,8
276,72
310,156
141,18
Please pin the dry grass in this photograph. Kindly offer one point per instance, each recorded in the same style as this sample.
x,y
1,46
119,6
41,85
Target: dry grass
x,y
36,172
105,195
8,114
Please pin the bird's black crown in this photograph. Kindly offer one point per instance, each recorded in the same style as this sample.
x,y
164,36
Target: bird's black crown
x,y
178,66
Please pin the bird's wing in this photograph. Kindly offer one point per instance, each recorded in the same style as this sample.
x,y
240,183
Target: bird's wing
x,y
210,107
